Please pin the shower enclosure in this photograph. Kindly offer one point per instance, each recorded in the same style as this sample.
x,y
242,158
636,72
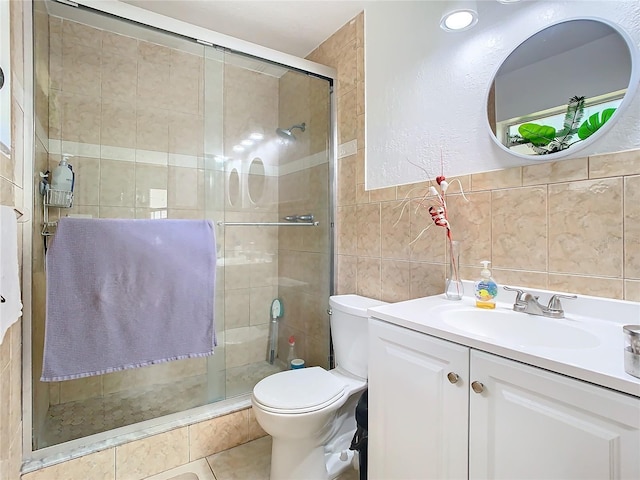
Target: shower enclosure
x,y
162,126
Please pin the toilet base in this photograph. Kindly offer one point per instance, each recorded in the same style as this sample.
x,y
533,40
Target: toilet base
x,y
339,462
297,459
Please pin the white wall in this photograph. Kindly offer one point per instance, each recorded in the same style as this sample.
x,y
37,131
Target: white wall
x,y
426,89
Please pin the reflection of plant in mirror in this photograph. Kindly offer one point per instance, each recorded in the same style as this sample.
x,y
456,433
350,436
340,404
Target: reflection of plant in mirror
x,y
594,122
545,139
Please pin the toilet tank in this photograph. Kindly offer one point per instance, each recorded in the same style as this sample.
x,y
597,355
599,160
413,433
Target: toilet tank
x,y
350,332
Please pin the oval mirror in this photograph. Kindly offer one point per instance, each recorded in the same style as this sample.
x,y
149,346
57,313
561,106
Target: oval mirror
x,y
561,89
256,180
234,187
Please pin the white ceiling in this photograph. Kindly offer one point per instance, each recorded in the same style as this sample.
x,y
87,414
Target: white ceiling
x,y
295,27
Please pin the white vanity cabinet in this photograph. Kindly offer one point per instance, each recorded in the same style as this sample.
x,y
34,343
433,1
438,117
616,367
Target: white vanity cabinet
x,y
501,419
418,403
526,422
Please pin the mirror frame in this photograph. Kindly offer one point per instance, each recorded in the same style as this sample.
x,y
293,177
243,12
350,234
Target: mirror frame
x,y
632,88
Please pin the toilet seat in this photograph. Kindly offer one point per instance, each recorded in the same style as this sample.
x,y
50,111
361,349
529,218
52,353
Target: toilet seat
x,y
298,391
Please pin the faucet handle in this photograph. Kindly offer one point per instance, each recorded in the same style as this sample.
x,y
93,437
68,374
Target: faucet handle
x,y
555,307
518,296
520,304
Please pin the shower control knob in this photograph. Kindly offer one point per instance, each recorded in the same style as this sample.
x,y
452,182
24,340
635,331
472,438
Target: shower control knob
x,y
344,456
477,387
453,377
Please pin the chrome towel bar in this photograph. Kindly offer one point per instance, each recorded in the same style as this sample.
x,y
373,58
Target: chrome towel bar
x,y
267,224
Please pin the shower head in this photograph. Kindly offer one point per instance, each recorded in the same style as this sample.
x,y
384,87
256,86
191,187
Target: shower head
x,y
287,133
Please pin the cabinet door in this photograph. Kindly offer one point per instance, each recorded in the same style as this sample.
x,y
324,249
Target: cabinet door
x,y
528,423
417,416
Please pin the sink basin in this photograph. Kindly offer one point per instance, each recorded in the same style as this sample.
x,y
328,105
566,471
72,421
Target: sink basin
x,y
519,328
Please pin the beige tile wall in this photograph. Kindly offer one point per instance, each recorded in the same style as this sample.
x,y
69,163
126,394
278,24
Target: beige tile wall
x,y
568,226
11,194
344,52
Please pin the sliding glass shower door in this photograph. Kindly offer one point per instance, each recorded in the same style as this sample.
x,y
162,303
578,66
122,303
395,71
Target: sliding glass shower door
x,y
161,126
276,212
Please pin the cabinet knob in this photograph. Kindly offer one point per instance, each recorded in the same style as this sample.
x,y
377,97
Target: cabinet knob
x,y
453,377
477,387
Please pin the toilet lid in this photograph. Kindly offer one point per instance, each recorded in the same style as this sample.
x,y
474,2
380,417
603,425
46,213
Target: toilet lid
x,y
305,389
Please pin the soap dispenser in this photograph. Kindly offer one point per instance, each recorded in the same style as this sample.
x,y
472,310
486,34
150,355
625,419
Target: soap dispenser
x,y
63,176
486,288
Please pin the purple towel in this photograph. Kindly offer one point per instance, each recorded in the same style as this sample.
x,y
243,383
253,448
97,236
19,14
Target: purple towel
x,y
127,293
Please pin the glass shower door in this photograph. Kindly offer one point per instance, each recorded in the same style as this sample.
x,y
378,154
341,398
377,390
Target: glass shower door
x,y
173,129
139,154
214,191
269,177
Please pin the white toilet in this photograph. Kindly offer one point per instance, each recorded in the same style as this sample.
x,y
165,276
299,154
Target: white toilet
x,y
310,412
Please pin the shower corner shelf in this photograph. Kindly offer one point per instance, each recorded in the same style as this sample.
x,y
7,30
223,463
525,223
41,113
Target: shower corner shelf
x,y
53,199
58,198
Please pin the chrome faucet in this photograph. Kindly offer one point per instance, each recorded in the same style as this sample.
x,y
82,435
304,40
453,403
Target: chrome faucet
x,y
528,303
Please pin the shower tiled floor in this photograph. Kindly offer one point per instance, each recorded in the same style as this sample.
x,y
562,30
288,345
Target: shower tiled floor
x,y
72,420
250,461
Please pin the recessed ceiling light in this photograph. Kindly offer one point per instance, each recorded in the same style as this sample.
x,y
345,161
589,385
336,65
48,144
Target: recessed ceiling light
x,y
247,143
238,148
256,136
459,15
459,20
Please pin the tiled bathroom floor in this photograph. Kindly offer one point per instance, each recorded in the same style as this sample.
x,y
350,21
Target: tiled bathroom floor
x,y
71,420
77,419
250,461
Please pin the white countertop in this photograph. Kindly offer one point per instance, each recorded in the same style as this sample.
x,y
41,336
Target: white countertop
x,y
602,364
